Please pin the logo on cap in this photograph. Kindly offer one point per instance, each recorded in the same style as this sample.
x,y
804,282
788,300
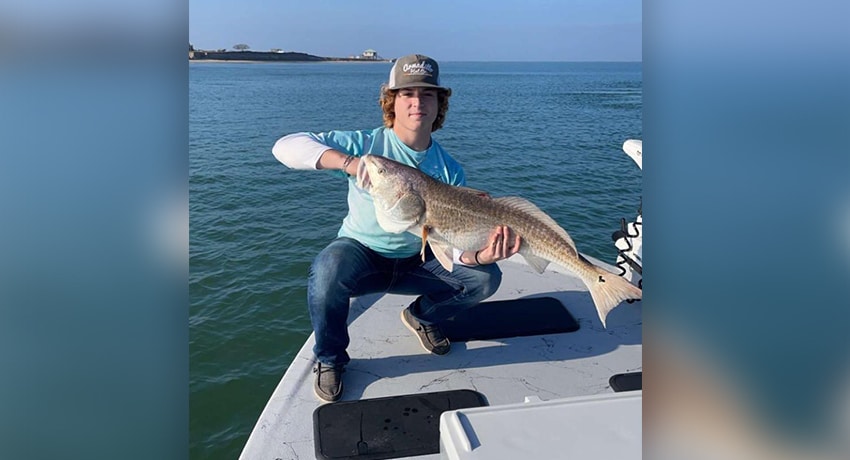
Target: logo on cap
x,y
419,68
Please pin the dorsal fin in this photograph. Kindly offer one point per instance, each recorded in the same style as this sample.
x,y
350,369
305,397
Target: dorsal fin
x,y
472,190
530,208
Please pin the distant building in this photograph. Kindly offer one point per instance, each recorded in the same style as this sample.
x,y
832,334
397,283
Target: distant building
x,y
370,54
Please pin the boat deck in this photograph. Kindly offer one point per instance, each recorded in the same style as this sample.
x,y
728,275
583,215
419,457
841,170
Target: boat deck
x,y
388,360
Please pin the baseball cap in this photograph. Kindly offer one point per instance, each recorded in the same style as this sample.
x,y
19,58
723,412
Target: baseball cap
x,y
415,70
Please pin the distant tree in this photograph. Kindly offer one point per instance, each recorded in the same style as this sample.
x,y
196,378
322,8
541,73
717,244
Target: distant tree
x,y
191,48
241,47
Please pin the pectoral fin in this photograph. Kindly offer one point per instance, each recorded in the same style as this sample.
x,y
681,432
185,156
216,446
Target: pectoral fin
x,y
425,230
443,252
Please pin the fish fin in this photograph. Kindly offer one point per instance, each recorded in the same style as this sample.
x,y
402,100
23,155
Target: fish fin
x,y
608,290
539,264
530,208
425,230
473,190
443,252
393,223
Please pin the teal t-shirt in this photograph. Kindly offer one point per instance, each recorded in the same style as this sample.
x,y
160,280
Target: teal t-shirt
x,y
361,223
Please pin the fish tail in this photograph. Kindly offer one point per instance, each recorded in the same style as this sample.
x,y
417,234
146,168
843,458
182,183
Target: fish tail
x,y
608,290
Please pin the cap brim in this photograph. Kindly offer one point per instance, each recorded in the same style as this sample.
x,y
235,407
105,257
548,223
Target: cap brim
x,y
419,85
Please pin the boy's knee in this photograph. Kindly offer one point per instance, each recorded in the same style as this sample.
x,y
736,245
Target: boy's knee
x,y
324,271
330,257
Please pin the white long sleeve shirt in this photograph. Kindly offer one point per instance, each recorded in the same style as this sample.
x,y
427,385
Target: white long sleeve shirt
x,y
302,151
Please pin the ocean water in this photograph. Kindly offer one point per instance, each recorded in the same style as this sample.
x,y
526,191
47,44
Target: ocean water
x,y
550,132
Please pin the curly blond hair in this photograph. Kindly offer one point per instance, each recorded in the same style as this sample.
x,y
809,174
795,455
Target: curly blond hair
x,y
387,103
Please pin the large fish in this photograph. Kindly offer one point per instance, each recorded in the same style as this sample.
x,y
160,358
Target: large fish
x,y
446,217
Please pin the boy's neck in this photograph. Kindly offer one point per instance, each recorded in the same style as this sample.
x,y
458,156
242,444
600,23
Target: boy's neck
x,y
416,140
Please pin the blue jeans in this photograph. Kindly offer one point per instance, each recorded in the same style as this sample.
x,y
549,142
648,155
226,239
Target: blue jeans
x,y
346,269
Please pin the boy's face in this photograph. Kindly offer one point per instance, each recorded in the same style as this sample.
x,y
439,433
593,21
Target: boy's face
x,y
416,108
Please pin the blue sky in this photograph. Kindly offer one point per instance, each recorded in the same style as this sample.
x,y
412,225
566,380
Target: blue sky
x,y
451,30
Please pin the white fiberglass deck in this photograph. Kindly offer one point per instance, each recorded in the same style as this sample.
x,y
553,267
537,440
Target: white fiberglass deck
x,y
387,360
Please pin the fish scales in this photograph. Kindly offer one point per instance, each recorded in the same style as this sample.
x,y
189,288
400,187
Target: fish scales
x,y
467,218
459,217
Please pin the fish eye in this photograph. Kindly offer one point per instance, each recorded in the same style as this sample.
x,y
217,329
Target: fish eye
x,y
382,170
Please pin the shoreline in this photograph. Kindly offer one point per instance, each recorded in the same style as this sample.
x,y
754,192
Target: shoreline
x,y
265,61
271,56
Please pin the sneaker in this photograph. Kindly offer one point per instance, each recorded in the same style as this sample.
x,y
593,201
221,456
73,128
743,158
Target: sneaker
x,y
430,336
328,384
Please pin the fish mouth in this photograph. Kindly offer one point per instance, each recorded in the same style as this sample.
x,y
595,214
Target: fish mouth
x,y
363,175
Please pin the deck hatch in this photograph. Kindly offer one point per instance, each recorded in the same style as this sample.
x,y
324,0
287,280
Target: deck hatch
x,y
388,427
502,319
629,381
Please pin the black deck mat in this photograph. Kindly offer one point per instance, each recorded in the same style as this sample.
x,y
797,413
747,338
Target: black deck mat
x,y
629,381
390,427
510,318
